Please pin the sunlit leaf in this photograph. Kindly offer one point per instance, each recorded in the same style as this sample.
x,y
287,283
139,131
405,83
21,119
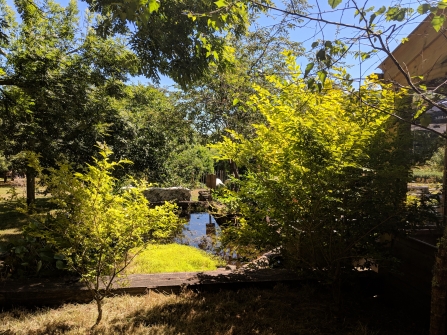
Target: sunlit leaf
x,y
334,3
322,76
424,8
154,5
309,68
437,22
220,3
381,10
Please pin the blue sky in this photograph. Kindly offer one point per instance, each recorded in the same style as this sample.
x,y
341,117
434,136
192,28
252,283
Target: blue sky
x,y
312,31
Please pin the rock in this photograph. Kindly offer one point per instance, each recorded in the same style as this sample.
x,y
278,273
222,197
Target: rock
x,y
271,259
230,267
159,194
205,195
418,189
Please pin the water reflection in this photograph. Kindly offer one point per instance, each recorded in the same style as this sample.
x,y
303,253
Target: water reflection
x,y
202,231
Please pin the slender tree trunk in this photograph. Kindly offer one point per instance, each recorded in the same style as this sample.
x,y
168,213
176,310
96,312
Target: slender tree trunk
x,y
5,177
99,307
30,186
233,168
439,283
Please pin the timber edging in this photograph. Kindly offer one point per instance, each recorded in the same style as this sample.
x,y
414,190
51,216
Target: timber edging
x,y
40,292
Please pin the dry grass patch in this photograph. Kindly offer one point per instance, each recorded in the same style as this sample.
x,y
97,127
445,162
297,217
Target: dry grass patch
x,y
282,310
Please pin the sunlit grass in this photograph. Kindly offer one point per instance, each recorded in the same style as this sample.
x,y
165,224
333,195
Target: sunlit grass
x,y
172,258
429,176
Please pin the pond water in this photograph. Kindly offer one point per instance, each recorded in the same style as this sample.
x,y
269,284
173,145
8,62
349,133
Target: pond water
x,y
202,231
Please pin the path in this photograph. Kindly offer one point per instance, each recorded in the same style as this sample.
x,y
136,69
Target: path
x,y
38,292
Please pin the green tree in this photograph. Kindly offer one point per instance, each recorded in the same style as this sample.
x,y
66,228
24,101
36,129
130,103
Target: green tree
x,y
188,163
373,29
99,227
318,182
177,39
56,83
5,166
150,130
217,102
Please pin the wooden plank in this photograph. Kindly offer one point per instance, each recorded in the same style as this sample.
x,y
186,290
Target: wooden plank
x,y
58,291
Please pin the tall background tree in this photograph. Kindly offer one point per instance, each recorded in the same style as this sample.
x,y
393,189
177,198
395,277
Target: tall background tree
x,y
56,80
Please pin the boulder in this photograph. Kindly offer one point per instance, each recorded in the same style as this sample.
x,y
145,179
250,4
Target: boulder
x,y
159,194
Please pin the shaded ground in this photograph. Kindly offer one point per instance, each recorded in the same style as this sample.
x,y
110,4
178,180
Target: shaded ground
x,y
285,310
12,221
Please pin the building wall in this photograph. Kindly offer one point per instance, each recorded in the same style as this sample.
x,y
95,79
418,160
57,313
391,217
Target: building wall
x,y
424,54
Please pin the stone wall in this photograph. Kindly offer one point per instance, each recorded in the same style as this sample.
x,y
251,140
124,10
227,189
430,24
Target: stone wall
x,y
159,194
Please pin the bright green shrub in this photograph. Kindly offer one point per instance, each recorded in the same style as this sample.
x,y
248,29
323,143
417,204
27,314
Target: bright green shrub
x,y
324,177
97,224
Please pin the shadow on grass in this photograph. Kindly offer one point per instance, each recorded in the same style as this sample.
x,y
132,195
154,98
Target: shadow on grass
x,y
12,220
51,328
282,310
288,310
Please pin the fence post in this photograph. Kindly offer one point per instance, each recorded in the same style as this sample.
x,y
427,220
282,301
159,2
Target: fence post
x,y
211,181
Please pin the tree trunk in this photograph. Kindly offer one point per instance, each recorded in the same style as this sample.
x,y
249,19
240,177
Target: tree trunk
x,y
233,169
99,307
5,177
30,186
439,282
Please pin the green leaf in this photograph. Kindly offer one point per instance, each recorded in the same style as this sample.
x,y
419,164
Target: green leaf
x,y
442,5
437,22
311,83
309,68
315,44
20,249
425,120
334,3
365,55
154,5
321,55
235,101
60,265
39,266
381,10
59,256
220,3
322,76
371,18
396,14
422,9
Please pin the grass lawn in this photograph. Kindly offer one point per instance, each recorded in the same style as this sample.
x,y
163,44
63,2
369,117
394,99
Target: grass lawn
x,y
172,258
282,310
427,176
